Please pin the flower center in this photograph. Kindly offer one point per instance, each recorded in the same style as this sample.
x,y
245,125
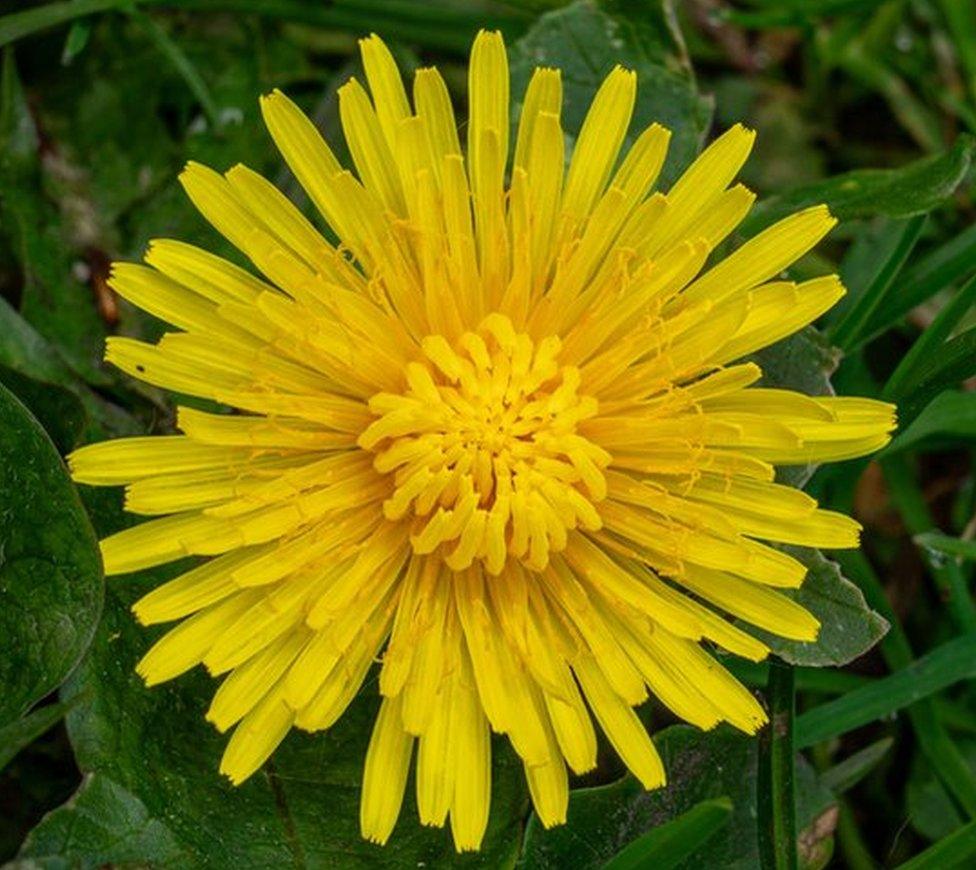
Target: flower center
x,y
483,449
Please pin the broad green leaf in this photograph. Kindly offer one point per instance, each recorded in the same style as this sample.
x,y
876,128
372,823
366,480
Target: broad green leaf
x,y
586,41
58,410
848,627
302,809
955,660
802,362
102,825
847,773
666,846
50,570
24,731
946,545
913,189
948,419
700,766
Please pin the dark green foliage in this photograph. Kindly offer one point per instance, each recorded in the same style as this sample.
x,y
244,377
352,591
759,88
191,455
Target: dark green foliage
x,y
53,299
103,824
159,759
22,732
911,190
58,410
954,661
720,764
956,850
667,845
868,106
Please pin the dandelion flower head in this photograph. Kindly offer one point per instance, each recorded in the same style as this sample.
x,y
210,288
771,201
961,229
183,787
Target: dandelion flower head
x,y
498,440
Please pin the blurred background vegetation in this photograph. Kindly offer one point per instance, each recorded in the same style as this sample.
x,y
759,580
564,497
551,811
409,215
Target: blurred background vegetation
x,y
103,101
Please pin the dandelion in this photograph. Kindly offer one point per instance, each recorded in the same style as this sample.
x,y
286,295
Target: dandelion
x,y
496,440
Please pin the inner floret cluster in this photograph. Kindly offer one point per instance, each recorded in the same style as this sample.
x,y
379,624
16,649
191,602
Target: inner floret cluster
x,y
484,452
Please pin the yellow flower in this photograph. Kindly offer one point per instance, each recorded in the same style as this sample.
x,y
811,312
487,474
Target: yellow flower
x,y
496,439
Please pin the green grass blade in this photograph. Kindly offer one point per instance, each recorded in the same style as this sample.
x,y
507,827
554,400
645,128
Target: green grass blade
x,y
449,26
786,14
938,747
947,545
181,63
914,189
668,845
948,664
849,772
910,369
446,25
854,850
961,19
956,850
849,332
935,271
873,245
948,762
20,24
954,363
949,419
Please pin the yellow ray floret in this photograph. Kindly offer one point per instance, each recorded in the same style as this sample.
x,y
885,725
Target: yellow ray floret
x,y
498,438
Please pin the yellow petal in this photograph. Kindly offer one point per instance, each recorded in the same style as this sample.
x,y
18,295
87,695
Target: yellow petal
x,y
620,723
257,736
385,773
599,141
